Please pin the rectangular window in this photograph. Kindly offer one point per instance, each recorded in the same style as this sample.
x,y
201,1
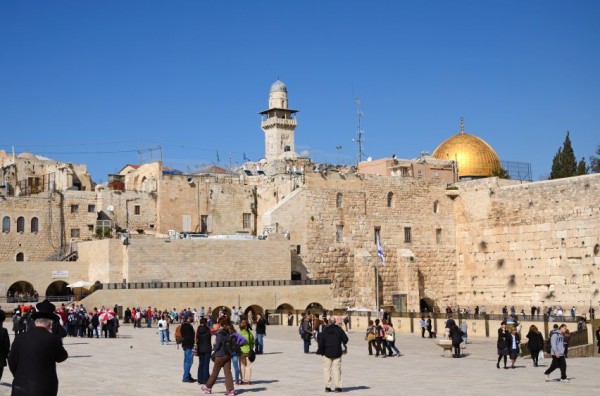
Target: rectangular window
x,y
246,220
438,235
74,232
74,208
407,235
90,227
339,233
91,208
137,209
420,173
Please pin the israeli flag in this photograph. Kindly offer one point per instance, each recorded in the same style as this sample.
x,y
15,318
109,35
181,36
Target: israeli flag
x,y
380,251
246,159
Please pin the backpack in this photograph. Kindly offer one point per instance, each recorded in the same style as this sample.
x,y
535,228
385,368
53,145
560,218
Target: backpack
x,y
380,332
301,330
346,320
231,345
549,343
178,336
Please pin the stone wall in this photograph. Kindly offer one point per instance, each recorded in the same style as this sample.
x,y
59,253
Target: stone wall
x,y
148,259
40,275
266,297
312,217
533,243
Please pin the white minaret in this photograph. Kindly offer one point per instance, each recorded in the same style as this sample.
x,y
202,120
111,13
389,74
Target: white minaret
x,y
279,124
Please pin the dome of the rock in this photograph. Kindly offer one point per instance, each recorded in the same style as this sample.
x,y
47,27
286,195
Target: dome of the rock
x,y
475,158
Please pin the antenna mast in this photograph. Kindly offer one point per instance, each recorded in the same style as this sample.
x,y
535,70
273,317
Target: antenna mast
x,y
359,131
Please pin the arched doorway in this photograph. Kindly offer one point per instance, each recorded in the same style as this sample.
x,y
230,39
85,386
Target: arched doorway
x,y
221,308
284,308
314,308
58,291
21,291
251,312
427,305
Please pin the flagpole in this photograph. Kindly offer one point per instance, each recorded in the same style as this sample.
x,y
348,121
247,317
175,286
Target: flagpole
x,y
377,288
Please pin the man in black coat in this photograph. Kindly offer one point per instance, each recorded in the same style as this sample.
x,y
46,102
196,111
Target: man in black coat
x,y
33,357
188,334
332,345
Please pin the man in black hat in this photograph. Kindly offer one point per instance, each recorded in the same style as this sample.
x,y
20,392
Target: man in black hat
x,y
4,343
47,307
33,357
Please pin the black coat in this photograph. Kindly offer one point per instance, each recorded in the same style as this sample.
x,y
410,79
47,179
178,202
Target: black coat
x,y
32,361
536,341
4,345
261,326
503,341
330,341
188,335
203,339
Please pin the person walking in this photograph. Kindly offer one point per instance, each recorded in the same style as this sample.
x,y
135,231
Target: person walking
x,y
222,360
370,337
332,345
33,357
261,332
502,344
4,343
557,350
390,335
245,364
162,329
306,332
203,350
513,346
430,327
535,343
188,336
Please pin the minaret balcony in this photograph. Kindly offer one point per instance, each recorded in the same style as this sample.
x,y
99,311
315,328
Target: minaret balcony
x,y
271,122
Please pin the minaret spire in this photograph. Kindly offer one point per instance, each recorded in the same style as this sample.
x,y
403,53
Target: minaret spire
x,y
462,125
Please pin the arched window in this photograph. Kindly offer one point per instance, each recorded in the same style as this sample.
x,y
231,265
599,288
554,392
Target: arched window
x,y
35,224
390,200
436,207
21,224
20,256
338,200
6,224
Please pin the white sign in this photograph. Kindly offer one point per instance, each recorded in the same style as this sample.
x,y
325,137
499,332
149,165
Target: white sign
x,y
60,274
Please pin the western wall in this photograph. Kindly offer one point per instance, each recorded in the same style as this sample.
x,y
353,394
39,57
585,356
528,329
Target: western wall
x,y
528,244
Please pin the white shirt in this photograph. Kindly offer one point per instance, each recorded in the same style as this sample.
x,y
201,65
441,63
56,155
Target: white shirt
x,y
162,325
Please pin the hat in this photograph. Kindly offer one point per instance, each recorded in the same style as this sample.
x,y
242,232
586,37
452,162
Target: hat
x,y
46,306
43,315
503,322
2,316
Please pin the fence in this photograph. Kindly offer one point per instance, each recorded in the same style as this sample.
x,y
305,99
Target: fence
x,y
183,285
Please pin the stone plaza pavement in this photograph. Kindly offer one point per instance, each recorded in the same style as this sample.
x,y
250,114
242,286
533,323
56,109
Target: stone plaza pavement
x,y
136,363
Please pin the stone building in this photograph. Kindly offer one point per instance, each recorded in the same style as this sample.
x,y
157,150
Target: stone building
x,y
486,241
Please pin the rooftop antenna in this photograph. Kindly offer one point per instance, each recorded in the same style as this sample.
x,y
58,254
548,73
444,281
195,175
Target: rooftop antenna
x,y
359,131
462,125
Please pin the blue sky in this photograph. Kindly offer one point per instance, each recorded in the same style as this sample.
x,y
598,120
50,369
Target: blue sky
x,y
97,81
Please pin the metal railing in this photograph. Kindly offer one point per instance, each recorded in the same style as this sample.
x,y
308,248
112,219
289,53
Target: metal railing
x,y
210,284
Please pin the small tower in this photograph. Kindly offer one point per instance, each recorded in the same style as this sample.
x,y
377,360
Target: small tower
x,y
279,124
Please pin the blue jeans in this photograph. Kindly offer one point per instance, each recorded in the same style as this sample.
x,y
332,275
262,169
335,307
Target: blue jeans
x,y
235,362
163,337
203,371
188,359
259,343
306,344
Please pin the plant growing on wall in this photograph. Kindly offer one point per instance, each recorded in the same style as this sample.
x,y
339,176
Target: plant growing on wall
x,y
512,280
482,245
500,263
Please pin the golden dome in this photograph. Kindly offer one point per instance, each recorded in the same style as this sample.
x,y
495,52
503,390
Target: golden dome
x,y
474,156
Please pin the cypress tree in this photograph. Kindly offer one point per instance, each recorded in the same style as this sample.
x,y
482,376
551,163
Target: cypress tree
x,y
564,163
595,162
582,168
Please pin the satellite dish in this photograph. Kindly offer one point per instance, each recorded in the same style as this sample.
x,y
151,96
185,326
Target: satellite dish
x,y
110,208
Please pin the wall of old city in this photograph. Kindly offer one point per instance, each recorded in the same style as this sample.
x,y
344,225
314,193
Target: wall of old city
x,y
533,243
147,259
312,217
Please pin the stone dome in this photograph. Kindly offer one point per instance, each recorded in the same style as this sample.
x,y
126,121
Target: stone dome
x,y
474,156
278,86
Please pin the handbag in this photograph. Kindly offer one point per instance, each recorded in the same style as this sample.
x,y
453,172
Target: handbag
x,y
252,356
371,337
213,356
389,337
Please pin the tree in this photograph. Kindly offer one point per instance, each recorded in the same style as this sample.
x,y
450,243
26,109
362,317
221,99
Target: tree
x,y
582,168
595,162
564,163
